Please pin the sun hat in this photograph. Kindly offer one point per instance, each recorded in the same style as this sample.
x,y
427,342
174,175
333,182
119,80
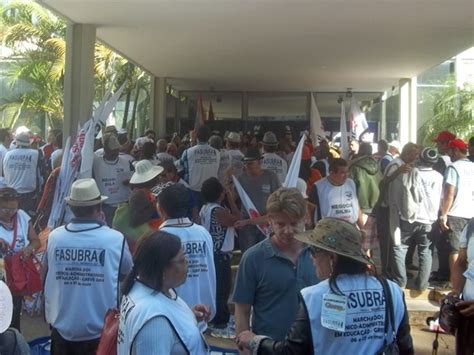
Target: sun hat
x,y
457,143
84,192
429,156
145,171
233,137
337,236
396,144
302,187
444,136
252,154
6,307
269,138
23,139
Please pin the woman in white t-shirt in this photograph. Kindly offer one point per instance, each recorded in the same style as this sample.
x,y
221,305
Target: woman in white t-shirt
x,y
16,235
463,282
153,318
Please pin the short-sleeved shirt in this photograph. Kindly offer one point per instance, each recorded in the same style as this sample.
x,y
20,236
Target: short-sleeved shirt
x,y
467,241
259,188
461,175
270,282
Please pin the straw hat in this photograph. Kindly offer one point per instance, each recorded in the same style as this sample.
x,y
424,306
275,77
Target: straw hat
x,y
269,138
336,236
23,139
6,307
144,172
233,137
84,192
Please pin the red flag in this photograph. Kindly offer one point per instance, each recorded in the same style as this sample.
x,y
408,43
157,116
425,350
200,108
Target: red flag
x,y
210,114
200,117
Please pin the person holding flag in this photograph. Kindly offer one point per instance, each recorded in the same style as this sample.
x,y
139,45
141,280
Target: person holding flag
x,y
258,183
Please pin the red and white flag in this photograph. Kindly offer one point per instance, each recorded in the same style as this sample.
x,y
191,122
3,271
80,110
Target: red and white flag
x,y
343,127
210,114
316,125
357,120
250,207
294,169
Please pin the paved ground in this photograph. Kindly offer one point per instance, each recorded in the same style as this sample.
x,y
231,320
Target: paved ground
x,y
36,327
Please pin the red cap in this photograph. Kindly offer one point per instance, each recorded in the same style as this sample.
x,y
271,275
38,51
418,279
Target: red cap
x,y
306,153
457,143
444,136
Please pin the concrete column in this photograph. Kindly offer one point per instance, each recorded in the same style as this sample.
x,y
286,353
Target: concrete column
x,y
404,112
79,76
245,110
158,106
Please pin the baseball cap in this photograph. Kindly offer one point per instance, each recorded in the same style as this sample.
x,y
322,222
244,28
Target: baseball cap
x,y
444,136
457,143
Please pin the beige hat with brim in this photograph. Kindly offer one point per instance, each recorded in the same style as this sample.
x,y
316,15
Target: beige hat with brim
x,y
84,192
337,236
144,172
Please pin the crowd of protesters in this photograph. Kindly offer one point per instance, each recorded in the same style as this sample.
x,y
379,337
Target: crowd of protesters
x,y
172,204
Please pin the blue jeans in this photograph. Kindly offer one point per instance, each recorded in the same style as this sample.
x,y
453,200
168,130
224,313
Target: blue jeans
x,y
418,233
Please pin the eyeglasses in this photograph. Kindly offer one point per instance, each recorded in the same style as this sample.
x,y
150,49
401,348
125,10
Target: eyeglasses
x,y
183,260
315,250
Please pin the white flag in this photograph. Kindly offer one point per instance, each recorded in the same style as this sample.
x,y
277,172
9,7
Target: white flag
x,y
316,125
294,169
357,119
250,207
344,142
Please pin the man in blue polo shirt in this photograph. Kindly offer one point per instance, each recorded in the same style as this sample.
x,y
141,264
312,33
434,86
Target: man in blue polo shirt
x,y
272,272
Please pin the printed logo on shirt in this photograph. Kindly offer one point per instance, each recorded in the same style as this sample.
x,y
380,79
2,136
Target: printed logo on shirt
x,y
196,252
348,195
126,307
83,256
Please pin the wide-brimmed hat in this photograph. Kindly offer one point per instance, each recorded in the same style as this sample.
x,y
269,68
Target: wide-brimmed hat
x,y
6,307
444,136
429,156
269,138
336,236
145,171
23,139
84,192
252,154
233,137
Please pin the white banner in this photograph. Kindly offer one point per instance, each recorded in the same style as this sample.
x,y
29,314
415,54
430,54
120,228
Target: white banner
x,y
294,169
357,120
250,207
344,142
316,125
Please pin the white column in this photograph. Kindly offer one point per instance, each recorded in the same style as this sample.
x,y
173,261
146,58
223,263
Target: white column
x,y
405,111
79,76
413,125
158,106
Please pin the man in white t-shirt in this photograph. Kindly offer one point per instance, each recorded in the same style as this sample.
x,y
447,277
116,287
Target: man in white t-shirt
x,y
200,162
272,161
200,285
21,169
336,196
457,205
112,173
5,140
231,157
429,185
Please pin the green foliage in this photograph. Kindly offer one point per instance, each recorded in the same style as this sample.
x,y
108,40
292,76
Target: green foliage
x,y
36,74
453,110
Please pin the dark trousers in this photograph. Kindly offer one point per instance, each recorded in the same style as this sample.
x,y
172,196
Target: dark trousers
x,y
385,240
464,336
61,346
223,287
17,304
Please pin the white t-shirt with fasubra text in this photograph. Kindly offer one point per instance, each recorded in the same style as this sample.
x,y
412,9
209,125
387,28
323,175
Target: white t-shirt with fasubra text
x,y
20,169
277,164
200,163
460,174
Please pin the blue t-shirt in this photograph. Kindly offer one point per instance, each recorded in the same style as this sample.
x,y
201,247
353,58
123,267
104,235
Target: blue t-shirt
x,y
270,282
